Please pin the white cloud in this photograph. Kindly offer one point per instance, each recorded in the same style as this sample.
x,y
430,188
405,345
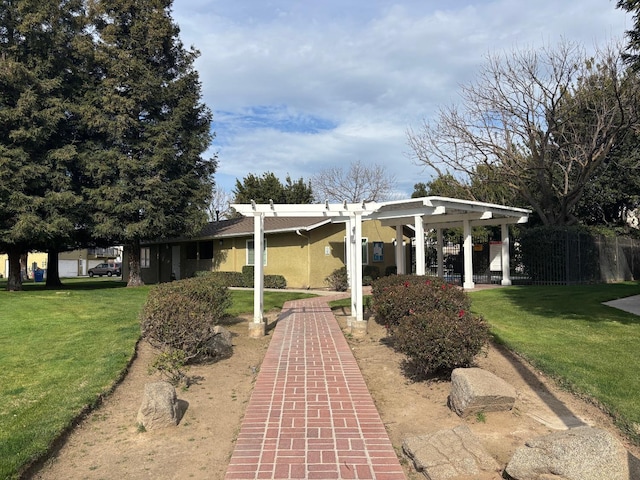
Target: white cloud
x,y
299,86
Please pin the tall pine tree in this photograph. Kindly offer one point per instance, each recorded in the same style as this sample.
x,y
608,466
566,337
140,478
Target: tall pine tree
x,y
149,127
39,62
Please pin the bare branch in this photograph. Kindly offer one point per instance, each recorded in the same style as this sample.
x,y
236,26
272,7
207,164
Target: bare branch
x,y
541,121
369,183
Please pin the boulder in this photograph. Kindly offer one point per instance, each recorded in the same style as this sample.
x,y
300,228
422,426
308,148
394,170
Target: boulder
x,y
449,454
582,453
221,344
474,390
159,406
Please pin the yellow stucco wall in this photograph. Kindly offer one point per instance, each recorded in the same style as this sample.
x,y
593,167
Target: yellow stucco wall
x,y
38,257
305,260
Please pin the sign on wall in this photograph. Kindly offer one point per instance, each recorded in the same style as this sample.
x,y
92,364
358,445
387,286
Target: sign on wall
x,y
378,251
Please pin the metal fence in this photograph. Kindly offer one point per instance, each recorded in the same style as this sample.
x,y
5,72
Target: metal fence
x,y
569,258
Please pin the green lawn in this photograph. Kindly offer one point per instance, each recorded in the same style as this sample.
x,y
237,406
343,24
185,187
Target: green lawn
x,y
566,332
61,349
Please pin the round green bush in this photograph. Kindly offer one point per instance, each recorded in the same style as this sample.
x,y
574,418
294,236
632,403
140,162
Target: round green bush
x,y
437,342
397,296
429,321
182,315
338,280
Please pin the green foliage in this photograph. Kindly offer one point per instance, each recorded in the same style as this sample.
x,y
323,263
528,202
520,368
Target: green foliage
x,y
244,279
274,281
429,321
182,315
41,84
397,296
268,187
338,280
172,364
248,276
147,175
372,271
436,342
632,53
390,270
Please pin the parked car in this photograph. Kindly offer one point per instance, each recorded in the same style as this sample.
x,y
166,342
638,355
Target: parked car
x,y
108,269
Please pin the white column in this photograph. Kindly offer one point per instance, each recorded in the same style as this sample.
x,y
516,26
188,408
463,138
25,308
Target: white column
x,y
350,253
420,269
356,288
401,261
468,256
348,250
440,241
258,267
506,272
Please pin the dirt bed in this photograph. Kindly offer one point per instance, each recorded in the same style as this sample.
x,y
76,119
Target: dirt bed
x,y
109,445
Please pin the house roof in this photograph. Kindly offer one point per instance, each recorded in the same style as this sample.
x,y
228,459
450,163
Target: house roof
x,y
243,227
240,227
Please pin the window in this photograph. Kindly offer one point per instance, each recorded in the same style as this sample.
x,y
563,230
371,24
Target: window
x,y
206,250
251,253
192,251
145,257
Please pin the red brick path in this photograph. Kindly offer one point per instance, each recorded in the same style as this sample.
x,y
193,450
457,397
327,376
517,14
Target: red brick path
x,y
310,415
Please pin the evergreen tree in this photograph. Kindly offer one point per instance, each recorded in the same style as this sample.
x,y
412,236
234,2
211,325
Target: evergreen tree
x,y
632,54
149,129
268,187
39,61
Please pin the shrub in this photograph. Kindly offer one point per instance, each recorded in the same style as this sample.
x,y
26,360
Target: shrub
x,y
390,270
437,342
171,364
244,279
372,271
247,276
429,321
182,315
274,281
338,280
397,296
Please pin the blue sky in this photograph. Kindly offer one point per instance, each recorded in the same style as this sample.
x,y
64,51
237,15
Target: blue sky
x,y
297,87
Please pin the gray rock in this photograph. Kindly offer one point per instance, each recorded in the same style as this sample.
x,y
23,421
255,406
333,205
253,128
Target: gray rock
x,y
221,344
582,453
449,454
474,390
159,406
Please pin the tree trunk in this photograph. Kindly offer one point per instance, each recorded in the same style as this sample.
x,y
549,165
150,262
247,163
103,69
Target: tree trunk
x,y
135,278
14,282
53,273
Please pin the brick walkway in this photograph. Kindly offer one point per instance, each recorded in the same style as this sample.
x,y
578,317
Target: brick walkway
x,y
310,415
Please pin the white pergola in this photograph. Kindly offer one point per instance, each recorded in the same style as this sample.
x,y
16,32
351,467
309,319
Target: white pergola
x,y
421,214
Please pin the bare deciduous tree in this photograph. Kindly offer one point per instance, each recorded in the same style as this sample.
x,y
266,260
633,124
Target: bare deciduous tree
x,y
539,121
219,208
368,183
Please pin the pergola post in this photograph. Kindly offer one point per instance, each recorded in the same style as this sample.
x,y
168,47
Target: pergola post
x,y
506,260
419,226
440,241
351,261
257,327
401,262
468,255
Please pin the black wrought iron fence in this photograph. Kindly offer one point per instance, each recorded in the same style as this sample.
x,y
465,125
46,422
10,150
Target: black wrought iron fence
x,y
554,257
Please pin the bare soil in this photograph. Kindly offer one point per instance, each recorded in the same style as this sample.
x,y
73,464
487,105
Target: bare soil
x,y
108,444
